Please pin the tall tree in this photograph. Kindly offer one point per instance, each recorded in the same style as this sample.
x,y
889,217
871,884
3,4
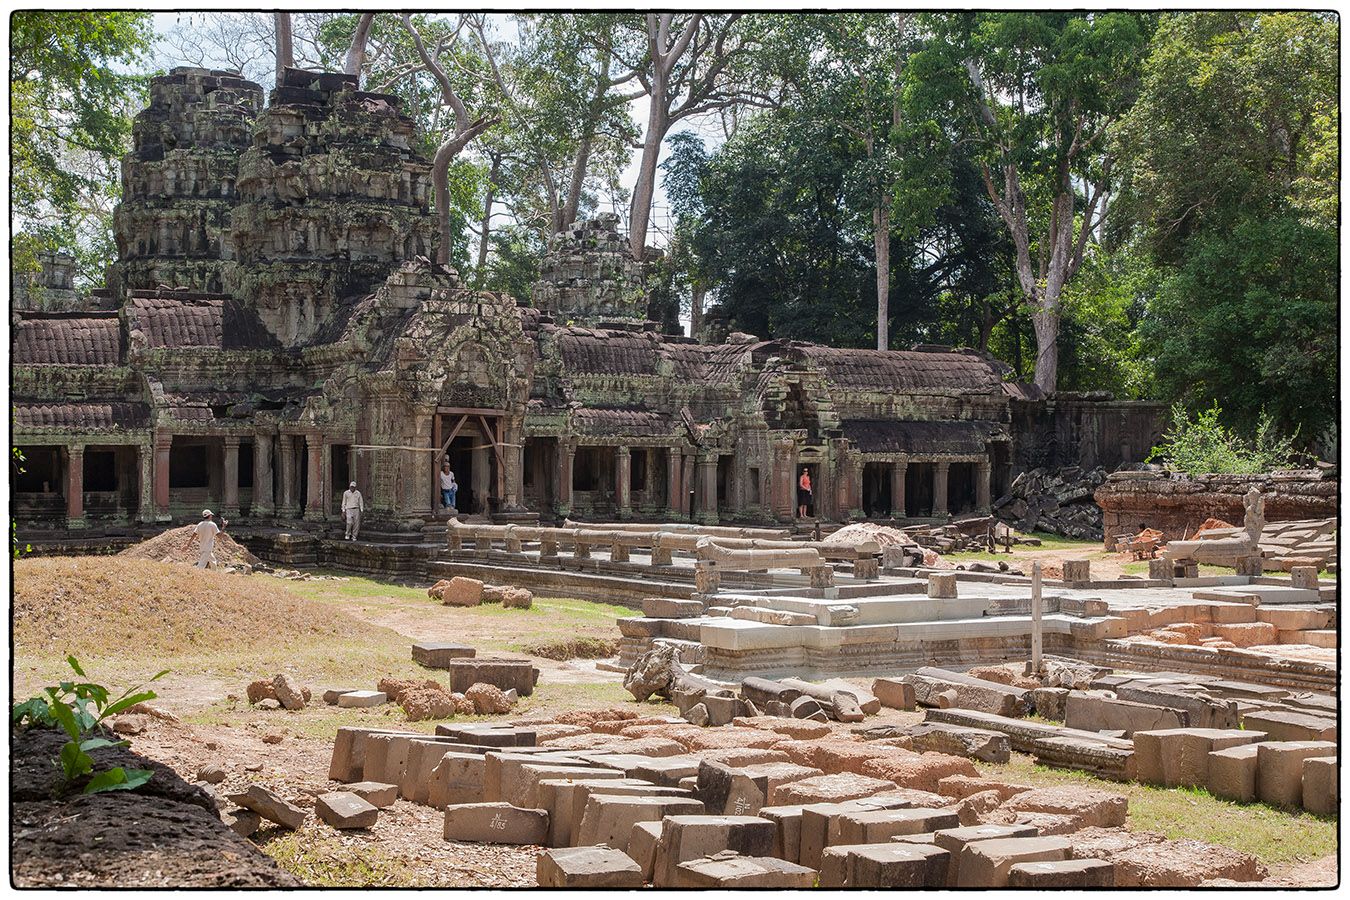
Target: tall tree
x,y
70,96
1039,93
285,45
1229,156
465,126
688,65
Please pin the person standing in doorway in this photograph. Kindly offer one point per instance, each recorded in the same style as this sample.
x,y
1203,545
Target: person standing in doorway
x,y
803,493
353,504
449,487
205,533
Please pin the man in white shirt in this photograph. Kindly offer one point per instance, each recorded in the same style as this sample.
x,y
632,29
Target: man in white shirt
x,y
353,504
206,532
448,486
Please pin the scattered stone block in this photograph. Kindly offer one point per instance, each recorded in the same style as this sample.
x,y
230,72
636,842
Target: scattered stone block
x,y
894,693
609,819
921,771
642,847
894,865
377,794
686,838
437,654
1287,725
1094,807
1050,703
670,608
958,740
288,692
331,695
1321,787
343,809
587,867
809,708
1303,577
495,823
942,585
879,826
1181,863
270,806
243,822
827,789
457,778
1069,873
362,699
954,840
1077,570
1091,712
1179,757
211,773
1279,779
961,786
986,864
461,591
505,674
1232,773
742,791
981,696
730,870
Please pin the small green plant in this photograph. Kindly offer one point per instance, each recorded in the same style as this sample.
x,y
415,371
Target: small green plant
x,y
78,708
1205,446
17,459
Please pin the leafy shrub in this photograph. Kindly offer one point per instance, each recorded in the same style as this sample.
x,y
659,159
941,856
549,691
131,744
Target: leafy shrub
x,y
68,706
1204,445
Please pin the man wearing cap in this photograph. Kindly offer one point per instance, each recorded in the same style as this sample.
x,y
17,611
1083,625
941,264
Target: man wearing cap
x,y
352,506
206,532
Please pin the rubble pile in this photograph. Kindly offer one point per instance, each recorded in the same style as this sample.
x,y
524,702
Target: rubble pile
x,y
1058,501
461,591
179,545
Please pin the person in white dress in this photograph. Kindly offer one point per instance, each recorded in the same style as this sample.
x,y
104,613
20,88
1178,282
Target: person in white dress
x,y
353,504
206,532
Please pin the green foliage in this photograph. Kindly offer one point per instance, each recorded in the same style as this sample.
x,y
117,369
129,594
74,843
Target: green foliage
x,y
79,708
1204,446
16,461
70,96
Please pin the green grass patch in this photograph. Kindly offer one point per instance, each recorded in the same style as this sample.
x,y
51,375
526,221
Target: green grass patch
x,y
320,859
1274,836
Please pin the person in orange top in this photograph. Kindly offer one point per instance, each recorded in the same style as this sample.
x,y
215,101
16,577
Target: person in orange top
x,y
803,493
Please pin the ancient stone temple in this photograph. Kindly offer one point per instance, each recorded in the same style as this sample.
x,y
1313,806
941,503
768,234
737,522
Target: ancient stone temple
x,y
275,330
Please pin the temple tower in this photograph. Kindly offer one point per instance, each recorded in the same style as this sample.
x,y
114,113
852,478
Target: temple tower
x,y
178,181
588,277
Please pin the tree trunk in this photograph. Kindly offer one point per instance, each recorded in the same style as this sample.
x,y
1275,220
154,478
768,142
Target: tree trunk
x,y
440,185
1045,319
576,182
285,54
641,209
356,53
881,239
487,216
696,311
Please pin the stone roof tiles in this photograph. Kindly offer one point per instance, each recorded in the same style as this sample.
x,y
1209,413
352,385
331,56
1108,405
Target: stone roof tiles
x,y
180,319
593,352
621,422
67,341
902,370
90,416
952,437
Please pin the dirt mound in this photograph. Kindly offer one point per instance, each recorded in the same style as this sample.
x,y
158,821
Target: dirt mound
x,y
163,834
868,531
178,545
1211,524
97,606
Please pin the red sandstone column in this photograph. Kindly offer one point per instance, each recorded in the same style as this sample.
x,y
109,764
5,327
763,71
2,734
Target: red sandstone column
x,y
566,454
231,476
940,471
286,449
623,476
898,469
707,489
75,486
145,489
262,476
982,476
686,484
672,481
314,477
163,444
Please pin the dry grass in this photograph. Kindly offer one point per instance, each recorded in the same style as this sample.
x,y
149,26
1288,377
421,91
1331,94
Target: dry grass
x,y
574,648
87,606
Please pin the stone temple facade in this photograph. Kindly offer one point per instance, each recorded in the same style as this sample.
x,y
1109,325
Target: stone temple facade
x,y
273,330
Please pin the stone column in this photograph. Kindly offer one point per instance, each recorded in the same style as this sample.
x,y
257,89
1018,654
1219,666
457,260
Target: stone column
x,y
514,453
982,476
940,488
482,474
673,480
414,500
163,443
262,476
898,470
686,483
314,477
566,455
783,480
707,489
854,472
230,503
145,456
75,486
623,475
286,448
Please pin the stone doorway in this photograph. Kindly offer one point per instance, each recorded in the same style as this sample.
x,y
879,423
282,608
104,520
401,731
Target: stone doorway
x,y
919,490
876,489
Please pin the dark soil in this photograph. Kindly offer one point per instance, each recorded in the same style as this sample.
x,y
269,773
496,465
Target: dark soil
x,y
164,834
